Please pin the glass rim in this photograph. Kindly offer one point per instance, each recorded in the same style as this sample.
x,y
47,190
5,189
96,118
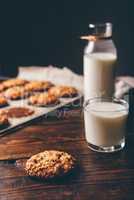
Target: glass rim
x,y
106,99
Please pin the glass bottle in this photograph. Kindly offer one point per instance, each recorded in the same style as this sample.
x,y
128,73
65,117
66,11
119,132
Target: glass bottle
x,y
100,58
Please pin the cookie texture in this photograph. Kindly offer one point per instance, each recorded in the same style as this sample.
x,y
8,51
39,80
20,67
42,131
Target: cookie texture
x,y
43,99
17,112
4,122
2,87
3,101
50,164
14,82
64,91
38,86
15,93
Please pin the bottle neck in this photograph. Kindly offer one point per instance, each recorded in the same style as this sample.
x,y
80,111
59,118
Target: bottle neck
x,y
104,38
95,38
103,30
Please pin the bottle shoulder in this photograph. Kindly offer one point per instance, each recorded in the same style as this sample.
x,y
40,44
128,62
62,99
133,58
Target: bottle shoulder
x,y
104,46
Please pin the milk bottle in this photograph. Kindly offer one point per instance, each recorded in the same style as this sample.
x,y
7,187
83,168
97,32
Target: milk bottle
x,y
100,58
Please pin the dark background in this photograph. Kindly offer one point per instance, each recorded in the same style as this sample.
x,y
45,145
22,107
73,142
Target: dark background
x,y
47,32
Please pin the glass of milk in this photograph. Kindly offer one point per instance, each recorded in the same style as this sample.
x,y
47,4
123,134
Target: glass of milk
x,y
105,123
100,58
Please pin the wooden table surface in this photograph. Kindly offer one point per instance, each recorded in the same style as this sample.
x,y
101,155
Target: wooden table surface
x,y
98,177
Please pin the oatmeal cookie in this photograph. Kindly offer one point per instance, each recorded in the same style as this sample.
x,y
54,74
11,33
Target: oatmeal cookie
x,y
50,164
63,91
3,101
17,112
2,87
14,82
38,86
43,99
4,122
15,93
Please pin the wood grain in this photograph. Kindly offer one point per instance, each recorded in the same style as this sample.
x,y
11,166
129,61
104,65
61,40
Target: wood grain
x,y
98,176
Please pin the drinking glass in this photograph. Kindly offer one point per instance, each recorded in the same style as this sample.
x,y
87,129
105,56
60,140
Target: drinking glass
x,y
105,123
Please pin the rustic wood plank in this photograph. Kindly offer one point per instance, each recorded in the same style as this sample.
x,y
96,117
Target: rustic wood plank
x,y
47,134
98,176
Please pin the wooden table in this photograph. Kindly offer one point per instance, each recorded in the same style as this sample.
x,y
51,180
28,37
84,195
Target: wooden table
x,y
98,177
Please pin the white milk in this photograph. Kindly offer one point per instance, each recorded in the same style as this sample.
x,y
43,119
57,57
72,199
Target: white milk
x,y
99,69
105,123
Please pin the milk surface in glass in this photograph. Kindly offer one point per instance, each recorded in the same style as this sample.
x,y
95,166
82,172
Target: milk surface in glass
x,y
105,125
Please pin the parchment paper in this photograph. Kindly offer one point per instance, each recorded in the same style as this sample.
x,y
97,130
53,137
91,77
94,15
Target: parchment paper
x,y
64,76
